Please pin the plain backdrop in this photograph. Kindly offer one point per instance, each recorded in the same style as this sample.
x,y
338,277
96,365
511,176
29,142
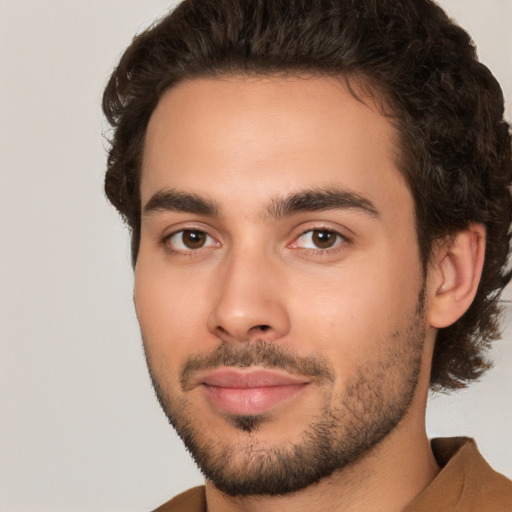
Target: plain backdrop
x,y
80,429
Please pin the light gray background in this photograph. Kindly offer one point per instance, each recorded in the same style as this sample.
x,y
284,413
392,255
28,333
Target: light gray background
x,y
80,429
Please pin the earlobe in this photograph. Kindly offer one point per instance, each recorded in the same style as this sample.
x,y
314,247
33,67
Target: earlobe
x,y
454,276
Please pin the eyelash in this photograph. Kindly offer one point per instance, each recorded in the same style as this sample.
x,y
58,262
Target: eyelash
x,y
190,251
340,241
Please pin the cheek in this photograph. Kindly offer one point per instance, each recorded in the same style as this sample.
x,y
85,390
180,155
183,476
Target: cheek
x,y
171,313
349,314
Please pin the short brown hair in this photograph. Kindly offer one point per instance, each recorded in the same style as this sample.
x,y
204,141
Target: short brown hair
x,y
447,106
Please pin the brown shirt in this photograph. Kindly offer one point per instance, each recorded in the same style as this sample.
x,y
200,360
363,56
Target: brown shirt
x,y
466,483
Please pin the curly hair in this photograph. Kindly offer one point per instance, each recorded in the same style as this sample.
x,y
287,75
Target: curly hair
x,y
454,149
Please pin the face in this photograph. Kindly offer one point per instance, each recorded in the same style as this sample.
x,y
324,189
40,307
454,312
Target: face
x,y
278,284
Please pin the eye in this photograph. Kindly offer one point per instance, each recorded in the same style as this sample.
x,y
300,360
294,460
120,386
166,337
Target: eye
x,y
319,239
190,240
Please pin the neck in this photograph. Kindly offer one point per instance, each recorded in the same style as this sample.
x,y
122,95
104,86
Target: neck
x,y
386,479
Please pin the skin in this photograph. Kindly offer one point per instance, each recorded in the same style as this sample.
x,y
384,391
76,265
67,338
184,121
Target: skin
x,y
242,143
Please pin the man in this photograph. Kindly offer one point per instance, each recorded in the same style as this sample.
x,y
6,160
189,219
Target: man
x,y
318,193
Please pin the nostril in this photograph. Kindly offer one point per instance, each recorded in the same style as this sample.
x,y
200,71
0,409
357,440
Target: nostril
x,y
220,330
262,327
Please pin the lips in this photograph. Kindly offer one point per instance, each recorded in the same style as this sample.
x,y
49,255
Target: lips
x,y
250,391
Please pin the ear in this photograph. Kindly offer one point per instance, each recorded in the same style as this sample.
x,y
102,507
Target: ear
x,y
454,275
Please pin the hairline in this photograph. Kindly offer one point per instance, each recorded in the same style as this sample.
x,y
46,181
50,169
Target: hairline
x,y
362,86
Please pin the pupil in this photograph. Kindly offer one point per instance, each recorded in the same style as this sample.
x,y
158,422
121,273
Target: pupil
x,y
324,239
194,239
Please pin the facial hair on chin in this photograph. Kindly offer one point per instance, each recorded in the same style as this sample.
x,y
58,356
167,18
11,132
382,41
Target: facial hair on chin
x,y
348,426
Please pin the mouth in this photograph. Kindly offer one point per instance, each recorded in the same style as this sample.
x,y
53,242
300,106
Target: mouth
x,y
249,391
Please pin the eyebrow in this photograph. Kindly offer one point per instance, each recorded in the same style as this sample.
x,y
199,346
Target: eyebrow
x,y
319,200
177,201
303,201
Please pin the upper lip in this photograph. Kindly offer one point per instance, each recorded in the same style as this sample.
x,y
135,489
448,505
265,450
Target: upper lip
x,y
231,377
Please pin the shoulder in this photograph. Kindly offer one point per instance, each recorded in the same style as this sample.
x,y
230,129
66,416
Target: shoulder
x,y
193,500
466,482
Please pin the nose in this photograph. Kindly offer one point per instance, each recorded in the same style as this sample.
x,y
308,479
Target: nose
x,y
249,304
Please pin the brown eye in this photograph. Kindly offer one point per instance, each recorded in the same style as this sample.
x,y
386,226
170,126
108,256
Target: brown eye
x,y
188,240
324,239
193,239
319,239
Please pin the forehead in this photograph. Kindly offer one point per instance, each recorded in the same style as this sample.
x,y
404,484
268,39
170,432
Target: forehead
x,y
257,137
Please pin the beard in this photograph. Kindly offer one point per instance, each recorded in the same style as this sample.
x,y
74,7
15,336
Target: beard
x,y
348,426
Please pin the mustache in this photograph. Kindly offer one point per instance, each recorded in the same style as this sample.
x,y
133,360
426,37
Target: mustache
x,y
258,353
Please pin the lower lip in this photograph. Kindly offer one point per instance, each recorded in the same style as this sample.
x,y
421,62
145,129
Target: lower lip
x,y
250,401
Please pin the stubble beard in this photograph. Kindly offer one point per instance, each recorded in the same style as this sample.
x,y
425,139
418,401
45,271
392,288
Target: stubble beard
x,y
349,426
